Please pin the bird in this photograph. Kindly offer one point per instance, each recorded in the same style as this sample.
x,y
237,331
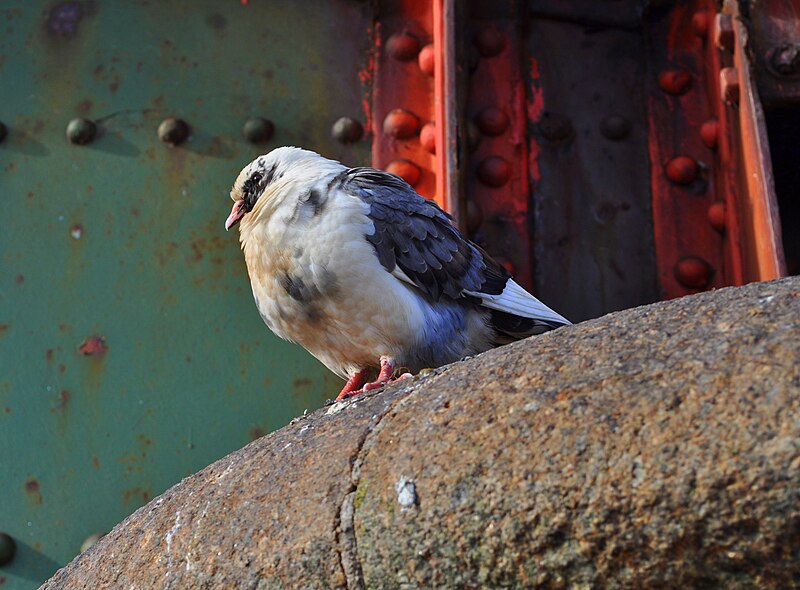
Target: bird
x,y
366,274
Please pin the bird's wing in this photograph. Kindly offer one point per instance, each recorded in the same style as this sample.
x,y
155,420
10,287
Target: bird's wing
x,y
415,241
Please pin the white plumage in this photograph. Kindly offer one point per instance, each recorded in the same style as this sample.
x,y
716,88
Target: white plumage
x,y
355,266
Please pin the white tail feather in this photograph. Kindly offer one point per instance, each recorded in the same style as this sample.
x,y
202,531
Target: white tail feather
x,y
516,300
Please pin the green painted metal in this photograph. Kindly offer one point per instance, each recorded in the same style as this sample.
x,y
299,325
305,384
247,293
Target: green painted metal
x,y
123,238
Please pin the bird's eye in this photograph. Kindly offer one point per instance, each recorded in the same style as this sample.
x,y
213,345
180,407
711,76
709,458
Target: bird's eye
x,y
256,177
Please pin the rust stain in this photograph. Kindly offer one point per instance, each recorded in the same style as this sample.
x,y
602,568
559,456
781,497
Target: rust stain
x,y
49,355
7,410
255,433
20,279
63,19
93,346
85,106
63,401
95,462
33,491
3,329
137,494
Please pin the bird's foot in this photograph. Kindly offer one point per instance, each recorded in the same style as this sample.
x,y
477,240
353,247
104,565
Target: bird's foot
x,y
353,386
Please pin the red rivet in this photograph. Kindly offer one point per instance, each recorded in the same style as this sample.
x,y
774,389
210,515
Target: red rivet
x,y
490,42
406,170
427,137
675,82
682,170
724,37
716,215
709,133
402,46
474,217
494,171
729,85
693,272
427,59
492,121
700,23
400,124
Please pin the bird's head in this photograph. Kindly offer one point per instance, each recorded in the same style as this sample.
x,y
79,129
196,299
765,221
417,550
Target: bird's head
x,y
265,182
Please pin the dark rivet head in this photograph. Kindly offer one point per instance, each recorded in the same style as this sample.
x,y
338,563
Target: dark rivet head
x,y
406,170
427,59
693,272
492,121
675,81
91,540
258,130
347,130
427,137
173,131
716,215
682,170
729,85
724,37
785,60
615,127
3,132
81,131
490,42
556,128
402,46
7,548
709,133
700,23
400,124
474,216
494,171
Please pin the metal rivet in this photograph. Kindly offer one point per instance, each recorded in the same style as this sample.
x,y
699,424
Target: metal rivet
x,y
494,171
91,540
347,130
716,215
682,170
700,23
173,131
492,121
427,59
81,131
402,46
729,85
556,128
427,137
693,272
724,37
490,42
3,132
675,81
615,127
709,133
406,170
474,216
400,124
784,60
7,548
258,130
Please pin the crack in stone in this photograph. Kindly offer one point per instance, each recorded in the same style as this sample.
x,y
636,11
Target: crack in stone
x,y
344,523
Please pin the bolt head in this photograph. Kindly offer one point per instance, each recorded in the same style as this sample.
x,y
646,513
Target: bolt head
x,y
3,132
400,124
347,130
675,81
724,36
173,131
556,128
615,127
700,23
258,130
490,42
492,121
693,272
402,46
716,215
709,133
406,170
427,59
7,548
81,131
427,137
494,171
682,170
729,85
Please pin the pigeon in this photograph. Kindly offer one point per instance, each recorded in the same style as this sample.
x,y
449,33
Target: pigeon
x,y
367,275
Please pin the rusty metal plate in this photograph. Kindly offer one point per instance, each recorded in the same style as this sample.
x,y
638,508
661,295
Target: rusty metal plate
x,y
131,353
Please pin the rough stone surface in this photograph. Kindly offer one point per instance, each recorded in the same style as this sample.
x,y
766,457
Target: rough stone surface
x,y
657,447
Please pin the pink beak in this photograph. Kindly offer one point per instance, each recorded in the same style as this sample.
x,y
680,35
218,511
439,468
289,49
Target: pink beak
x,y
237,212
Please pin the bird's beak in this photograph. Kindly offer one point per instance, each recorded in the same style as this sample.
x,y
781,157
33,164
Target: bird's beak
x,y
237,212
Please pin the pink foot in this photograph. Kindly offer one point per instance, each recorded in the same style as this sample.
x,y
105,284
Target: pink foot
x,y
351,388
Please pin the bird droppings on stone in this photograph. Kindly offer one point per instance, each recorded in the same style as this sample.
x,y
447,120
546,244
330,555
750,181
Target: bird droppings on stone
x,y
406,492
